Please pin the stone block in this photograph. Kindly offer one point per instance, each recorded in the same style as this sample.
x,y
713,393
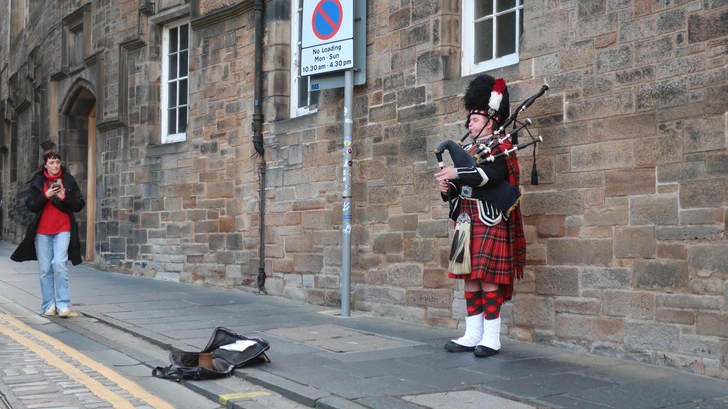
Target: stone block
x,y
704,193
602,107
654,210
675,316
706,133
629,304
587,328
667,93
404,222
437,298
577,54
606,277
380,295
419,249
672,250
690,301
634,242
577,306
716,163
712,232
667,148
632,76
546,34
308,263
404,275
712,323
653,50
434,228
681,66
585,252
651,337
708,260
533,312
437,278
716,100
565,203
614,212
596,26
601,156
613,59
661,275
383,113
387,243
551,226
411,96
557,281
628,182
400,19
695,345
707,26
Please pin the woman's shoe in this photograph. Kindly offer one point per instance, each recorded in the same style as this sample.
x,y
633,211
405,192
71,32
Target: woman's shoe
x,y
51,311
64,312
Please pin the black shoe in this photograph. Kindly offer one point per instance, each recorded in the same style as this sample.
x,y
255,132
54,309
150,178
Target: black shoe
x,y
455,347
483,352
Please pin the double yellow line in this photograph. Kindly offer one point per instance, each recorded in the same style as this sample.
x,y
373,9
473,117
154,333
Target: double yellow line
x,y
74,373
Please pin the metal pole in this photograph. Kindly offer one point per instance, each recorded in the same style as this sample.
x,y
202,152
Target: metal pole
x,y
347,204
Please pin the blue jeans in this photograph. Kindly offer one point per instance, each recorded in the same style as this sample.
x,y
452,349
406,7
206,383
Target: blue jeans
x,y
52,252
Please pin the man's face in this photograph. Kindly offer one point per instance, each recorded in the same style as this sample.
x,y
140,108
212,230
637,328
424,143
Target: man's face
x,y
480,125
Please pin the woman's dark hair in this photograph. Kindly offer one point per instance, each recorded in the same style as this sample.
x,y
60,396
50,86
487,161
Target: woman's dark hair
x,y
47,155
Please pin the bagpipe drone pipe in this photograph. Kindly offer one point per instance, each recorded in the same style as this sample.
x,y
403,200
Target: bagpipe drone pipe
x,y
503,195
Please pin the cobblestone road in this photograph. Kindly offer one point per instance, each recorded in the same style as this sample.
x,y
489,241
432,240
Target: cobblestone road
x,y
37,371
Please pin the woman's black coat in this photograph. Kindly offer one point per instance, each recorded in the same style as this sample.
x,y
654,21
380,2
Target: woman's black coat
x,y
36,201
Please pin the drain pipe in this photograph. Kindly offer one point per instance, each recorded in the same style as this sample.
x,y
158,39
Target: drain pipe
x,y
258,135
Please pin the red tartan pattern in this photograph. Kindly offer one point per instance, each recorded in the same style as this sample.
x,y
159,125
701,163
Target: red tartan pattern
x,y
492,301
491,253
474,302
498,253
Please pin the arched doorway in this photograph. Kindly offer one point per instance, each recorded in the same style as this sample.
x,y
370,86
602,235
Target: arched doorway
x,y
77,145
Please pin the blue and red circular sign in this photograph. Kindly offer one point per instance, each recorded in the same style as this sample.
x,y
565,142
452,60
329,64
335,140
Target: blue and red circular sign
x,y
327,18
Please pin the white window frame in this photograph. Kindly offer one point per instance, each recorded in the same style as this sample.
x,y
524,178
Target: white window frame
x,y
468,41
181,136
295,110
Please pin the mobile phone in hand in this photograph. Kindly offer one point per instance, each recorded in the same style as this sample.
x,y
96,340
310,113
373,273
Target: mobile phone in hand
x,y
56,183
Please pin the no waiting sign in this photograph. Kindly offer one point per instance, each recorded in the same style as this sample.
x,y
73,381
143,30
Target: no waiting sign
x,y
326,21
327,36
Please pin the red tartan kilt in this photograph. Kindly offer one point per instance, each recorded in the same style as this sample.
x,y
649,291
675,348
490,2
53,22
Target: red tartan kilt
x,y
491,250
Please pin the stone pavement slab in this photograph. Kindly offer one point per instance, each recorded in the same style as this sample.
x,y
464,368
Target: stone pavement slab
x,y
322,360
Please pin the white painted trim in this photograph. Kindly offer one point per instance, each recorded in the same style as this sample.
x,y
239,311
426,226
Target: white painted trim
x,y
295,110
468,44
182,136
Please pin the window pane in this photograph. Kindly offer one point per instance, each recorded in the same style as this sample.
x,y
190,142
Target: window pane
x,y
184,64
303,92
173,40
184,37
483,8
183,92
173,66
483,40
182,120
172,121
502,5
315,97
172,100
506,34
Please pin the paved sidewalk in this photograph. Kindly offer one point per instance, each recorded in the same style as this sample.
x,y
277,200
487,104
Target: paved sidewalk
x,y
325,361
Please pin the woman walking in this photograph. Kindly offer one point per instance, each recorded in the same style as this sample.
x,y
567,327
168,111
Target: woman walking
x,y
52,238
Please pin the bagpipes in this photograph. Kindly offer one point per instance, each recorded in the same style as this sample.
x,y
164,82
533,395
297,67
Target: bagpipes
x,y
503,195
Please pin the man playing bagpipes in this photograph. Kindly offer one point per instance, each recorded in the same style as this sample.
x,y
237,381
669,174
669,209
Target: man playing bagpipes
x,y
489,247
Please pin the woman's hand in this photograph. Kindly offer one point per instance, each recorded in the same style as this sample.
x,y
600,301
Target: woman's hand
x,y
61,193
50,192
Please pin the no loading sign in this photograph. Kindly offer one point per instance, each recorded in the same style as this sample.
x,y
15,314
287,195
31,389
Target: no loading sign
x,y
326,21
327,18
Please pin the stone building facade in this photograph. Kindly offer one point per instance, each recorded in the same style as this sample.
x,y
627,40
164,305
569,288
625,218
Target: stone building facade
x,y
626,227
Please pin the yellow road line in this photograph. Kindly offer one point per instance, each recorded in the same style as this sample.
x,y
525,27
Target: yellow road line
x,y
97,388
225,398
